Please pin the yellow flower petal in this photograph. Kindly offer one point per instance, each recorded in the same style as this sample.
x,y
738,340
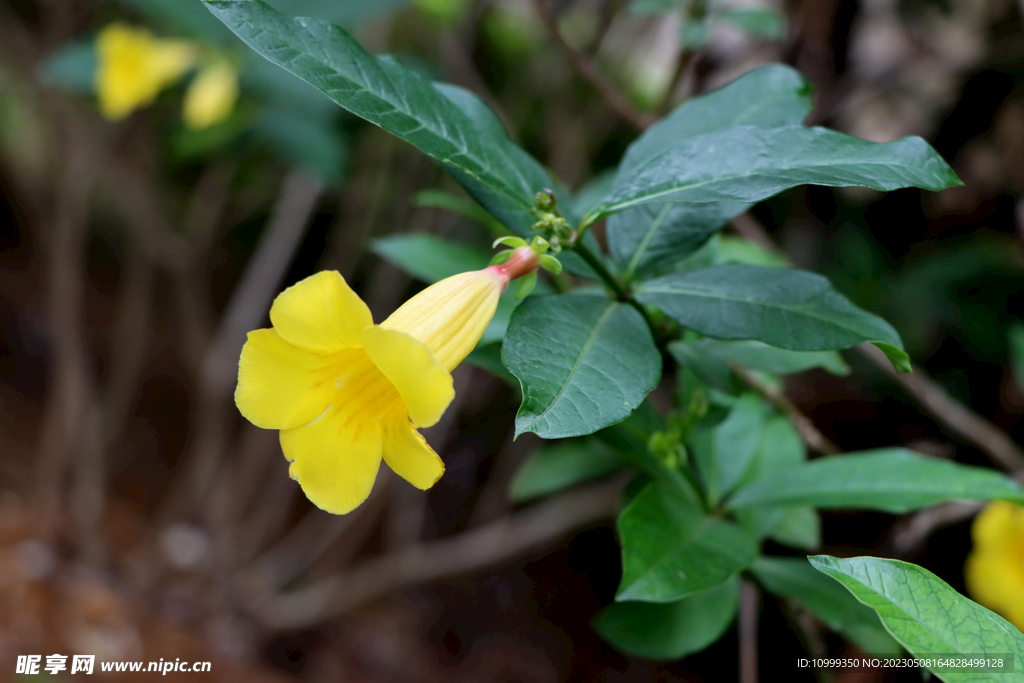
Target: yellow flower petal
x,y
408,454
451,315
280,386
997,523
423,384
211,95
335,458
995,579
133,67
320,314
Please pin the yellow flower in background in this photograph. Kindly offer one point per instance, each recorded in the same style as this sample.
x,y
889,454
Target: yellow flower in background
x,y
345,392
994,572
133,67
211,95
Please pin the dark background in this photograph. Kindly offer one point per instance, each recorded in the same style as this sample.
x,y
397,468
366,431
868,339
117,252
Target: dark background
x,y
141,517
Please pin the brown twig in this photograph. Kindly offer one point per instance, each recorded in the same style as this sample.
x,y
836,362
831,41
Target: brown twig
x,y
811,435
590,73
911,533
954,416
532,529
750,608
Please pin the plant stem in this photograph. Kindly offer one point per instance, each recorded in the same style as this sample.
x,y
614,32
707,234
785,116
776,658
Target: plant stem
x,y
621,293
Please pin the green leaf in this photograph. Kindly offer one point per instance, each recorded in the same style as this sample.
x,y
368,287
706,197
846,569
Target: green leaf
x,y
796,579
558,466
779,450
927,616
760,356
711,370
343,12
797,527
751,163
758,22
889,479
651,238
770,96
670,630
671,549
584,362
790,309
739,250
444,122
463,207
736,441
427,257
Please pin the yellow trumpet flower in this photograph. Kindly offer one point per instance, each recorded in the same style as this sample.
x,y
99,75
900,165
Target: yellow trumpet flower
x,y
994,572
345,392
134,67
211,95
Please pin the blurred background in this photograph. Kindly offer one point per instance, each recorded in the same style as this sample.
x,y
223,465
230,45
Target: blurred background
x,y
141,517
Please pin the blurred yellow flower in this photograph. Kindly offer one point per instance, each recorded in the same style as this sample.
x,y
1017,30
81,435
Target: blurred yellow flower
x,y
211,95
345,392
994,572
134,67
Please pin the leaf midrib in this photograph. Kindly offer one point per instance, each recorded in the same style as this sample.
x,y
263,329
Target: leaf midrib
x,y
649,198
793,308
501,187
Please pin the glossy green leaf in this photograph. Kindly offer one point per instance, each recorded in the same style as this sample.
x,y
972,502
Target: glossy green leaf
x,y
671,549
552,468
889,479
790,309
584,362
927,616
760,356
771,96
751,163
444,122
796,579
669,630
649,239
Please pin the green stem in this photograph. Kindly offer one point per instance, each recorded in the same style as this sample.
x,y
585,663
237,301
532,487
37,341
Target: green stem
x,y
621,293
598,267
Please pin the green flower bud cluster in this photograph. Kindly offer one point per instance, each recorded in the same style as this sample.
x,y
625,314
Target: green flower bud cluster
x,y
550,223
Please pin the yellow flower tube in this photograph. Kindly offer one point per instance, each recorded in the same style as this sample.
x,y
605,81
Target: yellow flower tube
x,y
346,393
994,571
